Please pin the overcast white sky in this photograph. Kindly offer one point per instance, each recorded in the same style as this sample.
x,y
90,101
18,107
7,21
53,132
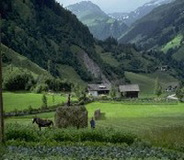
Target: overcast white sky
x,y
111,5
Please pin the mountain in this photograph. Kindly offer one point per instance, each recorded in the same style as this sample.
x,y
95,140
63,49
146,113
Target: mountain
x,y
99,23
130,18
161,31
54,39
44,39
140,67
162,25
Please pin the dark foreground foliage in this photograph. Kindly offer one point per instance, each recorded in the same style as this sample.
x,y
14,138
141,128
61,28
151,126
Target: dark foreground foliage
x,y
89,152
27,142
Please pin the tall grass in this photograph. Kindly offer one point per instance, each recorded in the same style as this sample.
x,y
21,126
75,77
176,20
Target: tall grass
x,y
167,137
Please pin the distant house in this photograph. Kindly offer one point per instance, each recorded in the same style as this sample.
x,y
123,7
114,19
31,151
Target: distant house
x,y
164,68
129,91
98,89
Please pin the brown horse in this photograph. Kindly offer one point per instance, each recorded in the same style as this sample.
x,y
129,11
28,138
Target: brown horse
x,y
42,123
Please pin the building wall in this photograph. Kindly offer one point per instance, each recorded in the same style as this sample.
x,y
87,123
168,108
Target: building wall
x,y
93,93
132,94
105,92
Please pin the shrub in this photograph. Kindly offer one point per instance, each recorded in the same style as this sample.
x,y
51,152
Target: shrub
x,y
18,80
44,101
41,88
22,133
2,150
30,134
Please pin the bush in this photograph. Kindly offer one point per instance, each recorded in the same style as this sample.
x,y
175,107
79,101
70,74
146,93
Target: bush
x,y
44,101
22,133
18,80
2,150
58,85
30,134
41,88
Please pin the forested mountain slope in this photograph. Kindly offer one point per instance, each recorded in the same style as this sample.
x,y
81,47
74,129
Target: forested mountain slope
x,y
161,30
51,37
158,27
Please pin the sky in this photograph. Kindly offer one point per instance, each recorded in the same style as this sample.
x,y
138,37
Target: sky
x,y
110,6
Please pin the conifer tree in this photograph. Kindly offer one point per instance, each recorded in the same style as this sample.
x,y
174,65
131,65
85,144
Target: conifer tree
x,y
158,87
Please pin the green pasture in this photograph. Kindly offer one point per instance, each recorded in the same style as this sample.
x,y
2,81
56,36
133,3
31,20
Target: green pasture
x,y
138,118
175,42
134,118
21,101
161,125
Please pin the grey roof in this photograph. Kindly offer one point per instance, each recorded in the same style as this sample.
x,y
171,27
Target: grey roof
x,y
99,87
129,88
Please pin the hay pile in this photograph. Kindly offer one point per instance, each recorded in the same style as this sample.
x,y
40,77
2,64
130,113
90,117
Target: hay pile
x,y
99,115
71,116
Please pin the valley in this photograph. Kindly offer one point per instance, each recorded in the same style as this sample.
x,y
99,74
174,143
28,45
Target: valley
x,y
77,64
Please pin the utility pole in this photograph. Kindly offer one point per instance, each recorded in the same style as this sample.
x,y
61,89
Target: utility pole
x,y
1,94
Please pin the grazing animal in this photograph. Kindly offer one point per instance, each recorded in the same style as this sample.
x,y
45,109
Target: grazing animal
x,y
42,123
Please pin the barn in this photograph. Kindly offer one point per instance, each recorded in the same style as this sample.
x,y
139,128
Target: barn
x,y
98,89
129,91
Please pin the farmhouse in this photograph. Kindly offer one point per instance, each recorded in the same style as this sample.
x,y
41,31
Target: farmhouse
x,y
99,89
129,91
164,68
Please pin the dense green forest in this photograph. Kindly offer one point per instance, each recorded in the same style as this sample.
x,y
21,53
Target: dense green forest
x,y
51,37
42,31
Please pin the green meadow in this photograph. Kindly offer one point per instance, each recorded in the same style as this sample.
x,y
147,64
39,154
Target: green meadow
x,y
135,118
173,43
160,125
21,101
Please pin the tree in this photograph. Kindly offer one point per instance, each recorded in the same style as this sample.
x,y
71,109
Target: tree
x,y
44,101
113,92
158,87
53,98
18,80
180,91
49,66
80,92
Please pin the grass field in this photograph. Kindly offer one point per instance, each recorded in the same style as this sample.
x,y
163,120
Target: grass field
x,y
173,43
21,101
161,125
134,118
